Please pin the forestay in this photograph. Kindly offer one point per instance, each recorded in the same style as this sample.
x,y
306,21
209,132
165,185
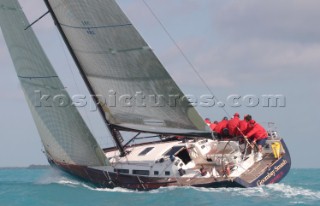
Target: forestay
x,y
64,134
122,70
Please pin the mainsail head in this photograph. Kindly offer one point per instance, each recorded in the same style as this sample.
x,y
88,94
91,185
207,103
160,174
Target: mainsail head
x,y
64,134
135,90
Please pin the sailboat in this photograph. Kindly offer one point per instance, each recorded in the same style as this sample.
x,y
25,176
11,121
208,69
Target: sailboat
x,y
169,144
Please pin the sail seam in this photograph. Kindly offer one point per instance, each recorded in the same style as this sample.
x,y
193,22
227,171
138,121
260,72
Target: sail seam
x,y
114,51
95,27
42,85
131,78
43,77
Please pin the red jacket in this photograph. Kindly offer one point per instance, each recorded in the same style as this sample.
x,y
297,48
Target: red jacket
x,y
257,132
220,126
243,127
232,126
213,126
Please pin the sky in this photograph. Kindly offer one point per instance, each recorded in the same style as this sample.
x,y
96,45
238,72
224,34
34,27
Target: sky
x,y
245,48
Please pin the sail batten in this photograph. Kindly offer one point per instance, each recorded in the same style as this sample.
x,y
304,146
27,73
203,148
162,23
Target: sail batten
x,y
114,57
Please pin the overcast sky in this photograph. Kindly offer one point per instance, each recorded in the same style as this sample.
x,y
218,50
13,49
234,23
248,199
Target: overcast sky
x,y
247,47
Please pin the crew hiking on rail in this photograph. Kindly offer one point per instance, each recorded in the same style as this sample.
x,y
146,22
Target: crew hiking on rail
x,y
237,129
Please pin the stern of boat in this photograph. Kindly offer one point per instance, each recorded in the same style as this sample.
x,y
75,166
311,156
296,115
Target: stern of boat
x,y
269,170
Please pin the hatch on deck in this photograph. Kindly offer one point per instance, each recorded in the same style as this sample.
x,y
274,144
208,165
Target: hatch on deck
x,y
179,151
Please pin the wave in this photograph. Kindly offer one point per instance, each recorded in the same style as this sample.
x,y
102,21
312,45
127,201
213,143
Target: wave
x,y
116,190
291,192
54,176
273,191
247,192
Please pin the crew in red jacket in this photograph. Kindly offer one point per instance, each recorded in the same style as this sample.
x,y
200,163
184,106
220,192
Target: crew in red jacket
x,y
221,126
243,126
233,124
258,136
207,121
213,125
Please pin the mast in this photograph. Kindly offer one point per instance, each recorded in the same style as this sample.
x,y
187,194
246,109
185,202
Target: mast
x,y
114,132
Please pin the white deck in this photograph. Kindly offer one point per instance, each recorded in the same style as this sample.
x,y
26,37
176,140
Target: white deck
x,y
153,160
149,158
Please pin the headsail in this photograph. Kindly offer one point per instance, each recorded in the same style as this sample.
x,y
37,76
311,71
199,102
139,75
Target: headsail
x,y
122,69
64,134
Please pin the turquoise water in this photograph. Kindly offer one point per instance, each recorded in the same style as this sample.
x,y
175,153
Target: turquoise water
x,y
32,187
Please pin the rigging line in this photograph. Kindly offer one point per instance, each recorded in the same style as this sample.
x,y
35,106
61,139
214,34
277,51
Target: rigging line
x,y
184,55
43,15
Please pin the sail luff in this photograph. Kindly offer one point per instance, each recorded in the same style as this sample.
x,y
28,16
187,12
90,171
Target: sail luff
x,y
85,79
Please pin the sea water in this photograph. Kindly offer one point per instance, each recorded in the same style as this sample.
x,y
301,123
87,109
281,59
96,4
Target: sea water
x,y
32,187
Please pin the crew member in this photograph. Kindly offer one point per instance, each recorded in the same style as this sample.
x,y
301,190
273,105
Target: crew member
x,y
207,121
221,127
258,135
233,124
213,125
243,126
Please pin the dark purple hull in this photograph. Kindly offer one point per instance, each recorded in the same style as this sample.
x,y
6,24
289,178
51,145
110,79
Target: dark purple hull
x,y
273,174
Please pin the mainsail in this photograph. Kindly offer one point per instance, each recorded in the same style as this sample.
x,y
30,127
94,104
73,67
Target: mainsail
x,y
122,70
64,134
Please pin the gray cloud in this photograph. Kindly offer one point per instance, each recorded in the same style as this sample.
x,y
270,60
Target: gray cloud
x,y
262,40
245,40
262,57
285,20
